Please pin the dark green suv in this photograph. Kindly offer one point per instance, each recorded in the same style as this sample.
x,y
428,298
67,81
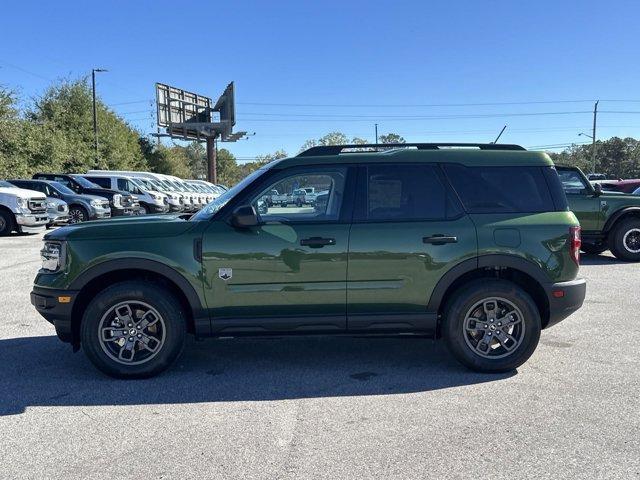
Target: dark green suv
x,y
472,243
609,220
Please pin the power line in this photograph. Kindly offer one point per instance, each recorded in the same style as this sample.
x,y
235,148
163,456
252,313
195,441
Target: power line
x,y
410,105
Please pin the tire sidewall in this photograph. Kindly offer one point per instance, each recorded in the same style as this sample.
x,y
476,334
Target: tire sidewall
x,y
8,223
618,247
468,296
160,299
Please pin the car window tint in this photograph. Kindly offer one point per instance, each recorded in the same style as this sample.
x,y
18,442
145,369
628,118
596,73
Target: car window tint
x,y
101,181
501,189
405,192
286,199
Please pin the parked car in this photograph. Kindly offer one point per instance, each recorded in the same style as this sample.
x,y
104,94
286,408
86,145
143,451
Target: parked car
x,y
150,201
622,186
58,212
82,207
121,203
475,246
608,220
21,210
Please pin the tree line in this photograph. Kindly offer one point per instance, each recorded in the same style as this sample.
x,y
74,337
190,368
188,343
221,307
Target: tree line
x,y
54,133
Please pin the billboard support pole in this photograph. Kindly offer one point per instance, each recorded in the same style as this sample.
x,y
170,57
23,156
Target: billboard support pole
x,y
212,167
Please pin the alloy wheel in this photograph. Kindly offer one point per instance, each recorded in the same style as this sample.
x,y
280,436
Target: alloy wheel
x,y
132,332
493,328
631,240
76,216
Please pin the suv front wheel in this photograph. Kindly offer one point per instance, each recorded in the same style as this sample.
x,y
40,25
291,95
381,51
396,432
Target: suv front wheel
x,y
491,325
133,330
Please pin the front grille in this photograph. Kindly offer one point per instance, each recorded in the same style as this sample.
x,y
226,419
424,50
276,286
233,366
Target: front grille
x,y
37,206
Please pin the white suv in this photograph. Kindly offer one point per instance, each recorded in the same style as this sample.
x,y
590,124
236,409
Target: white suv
x,y
21,210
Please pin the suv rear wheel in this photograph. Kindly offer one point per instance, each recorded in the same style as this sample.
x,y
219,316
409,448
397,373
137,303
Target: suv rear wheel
x,y
625,240
491,325
133,330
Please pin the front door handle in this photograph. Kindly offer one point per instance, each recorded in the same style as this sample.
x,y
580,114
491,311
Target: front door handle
x,y
439,239
317,242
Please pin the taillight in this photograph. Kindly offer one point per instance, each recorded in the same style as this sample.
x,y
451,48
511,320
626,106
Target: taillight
x,y
574,243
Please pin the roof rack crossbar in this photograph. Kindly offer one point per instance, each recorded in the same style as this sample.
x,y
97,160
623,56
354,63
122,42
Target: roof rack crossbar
x,y
337,149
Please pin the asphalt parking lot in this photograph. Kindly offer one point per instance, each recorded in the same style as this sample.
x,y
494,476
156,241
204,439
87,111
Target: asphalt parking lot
x,y
322,407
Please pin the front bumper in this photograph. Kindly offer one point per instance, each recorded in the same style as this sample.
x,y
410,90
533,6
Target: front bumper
x,y
31,222
564,299
155,208
47,303
123,211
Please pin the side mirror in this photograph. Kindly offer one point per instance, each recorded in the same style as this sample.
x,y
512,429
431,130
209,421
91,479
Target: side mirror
x,y
244,216
598,188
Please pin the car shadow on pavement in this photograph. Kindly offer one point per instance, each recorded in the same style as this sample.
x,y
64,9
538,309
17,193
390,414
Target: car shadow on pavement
x,y
42,371
587,259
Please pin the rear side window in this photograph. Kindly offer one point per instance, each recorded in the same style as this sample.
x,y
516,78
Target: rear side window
x,y
501,189
404,193
104,182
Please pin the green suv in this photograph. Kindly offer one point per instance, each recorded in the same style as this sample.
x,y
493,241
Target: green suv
x,y
609,220
470,242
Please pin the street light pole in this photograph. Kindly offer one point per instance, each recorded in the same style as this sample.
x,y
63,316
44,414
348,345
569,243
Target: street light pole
x,y
593,137
95,113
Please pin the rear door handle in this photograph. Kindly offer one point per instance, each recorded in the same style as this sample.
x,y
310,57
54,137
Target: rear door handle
x,y
317,242
440,239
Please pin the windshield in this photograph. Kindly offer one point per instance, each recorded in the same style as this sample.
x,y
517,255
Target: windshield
x,y
62,188
139,183
83,182
212,207
6,184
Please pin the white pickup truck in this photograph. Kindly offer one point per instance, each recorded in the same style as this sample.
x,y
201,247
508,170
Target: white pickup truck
x,y
21,210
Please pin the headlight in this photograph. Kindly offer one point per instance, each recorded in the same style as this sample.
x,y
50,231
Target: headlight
x,y
23,203
96,203
51,256
117,200
155,196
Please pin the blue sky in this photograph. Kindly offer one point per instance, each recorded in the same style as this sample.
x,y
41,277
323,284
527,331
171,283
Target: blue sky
x,y
303,69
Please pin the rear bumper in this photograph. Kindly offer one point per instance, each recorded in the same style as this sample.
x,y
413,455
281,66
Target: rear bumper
x,y
46,301
564,299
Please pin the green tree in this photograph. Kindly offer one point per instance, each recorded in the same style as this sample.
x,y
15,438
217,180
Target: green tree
x,y
66,108
391,138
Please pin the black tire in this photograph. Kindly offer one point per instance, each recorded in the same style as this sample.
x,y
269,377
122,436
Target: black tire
x,y
7,224
143,209
624,240
593,249
78,214
158,298
455,334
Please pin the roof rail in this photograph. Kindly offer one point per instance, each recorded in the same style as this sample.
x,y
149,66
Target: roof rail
x,y
337,149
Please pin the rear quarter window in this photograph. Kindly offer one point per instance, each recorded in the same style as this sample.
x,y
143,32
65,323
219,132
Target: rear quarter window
x,y
501,189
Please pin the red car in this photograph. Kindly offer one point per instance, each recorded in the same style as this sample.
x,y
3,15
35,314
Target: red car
x,y
624,186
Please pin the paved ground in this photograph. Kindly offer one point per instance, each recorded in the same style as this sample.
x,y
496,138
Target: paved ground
x,y
325,408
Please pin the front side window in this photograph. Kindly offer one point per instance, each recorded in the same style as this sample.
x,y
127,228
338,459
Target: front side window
x,y
284,199
404,193
102,182
572,182
501,189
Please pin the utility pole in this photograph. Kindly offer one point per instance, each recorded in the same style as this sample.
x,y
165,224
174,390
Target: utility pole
x,y
593,136
212,167
95,113
376,137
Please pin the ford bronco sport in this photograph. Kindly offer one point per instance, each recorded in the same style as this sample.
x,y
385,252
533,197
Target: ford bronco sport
x,y
608,220
472,243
